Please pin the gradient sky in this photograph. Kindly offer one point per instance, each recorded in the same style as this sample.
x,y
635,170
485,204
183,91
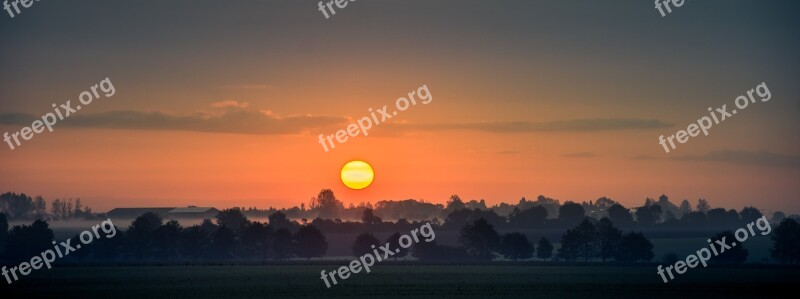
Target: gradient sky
x,y
220,103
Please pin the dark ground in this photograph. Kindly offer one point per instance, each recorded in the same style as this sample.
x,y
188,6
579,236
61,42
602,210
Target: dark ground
x,y
403,281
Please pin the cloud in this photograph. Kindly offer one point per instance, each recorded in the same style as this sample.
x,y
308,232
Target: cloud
x,y
575,125
230,104
579,155
760,158
231,116
235,121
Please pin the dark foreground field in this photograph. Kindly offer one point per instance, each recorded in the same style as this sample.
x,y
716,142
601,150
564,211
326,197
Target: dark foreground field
x,y
401,281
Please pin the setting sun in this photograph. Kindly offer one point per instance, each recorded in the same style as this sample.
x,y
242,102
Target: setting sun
x,y
357,175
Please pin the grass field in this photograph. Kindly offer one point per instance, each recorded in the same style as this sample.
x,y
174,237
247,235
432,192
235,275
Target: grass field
x,y
400,281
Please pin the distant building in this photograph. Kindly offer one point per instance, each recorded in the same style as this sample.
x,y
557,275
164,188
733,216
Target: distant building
x,y
190,212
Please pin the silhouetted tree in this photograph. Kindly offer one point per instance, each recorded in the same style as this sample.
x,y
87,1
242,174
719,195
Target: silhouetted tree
x,y
588,239
571,214
140,233
516,246
648,215
609,238
16,205
733,255
25,241
750,214
635,247
327,204
534,217
363,244
282,244
394,240
544,250
195,241
786,242
370,218
279,220
255,239
3,234
480,240
105,248
166,240
570,245
702,206
455,203
223,241
310,242
620,215
685,207
233,219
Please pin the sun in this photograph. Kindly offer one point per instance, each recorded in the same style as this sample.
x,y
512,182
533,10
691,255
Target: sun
x,y
357,175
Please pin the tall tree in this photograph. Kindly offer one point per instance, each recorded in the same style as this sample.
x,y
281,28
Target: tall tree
x,y
282,244
702,205
232,218
310,242
544,250
516,246
750,214
25,241
480,240
3,234
635,247
620,215
255,238
140,233
609,238
733,255
166,240
786,242
223,241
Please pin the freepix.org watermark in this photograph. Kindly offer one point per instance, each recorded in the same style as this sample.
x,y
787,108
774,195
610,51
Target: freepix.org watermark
x,y
365,123
16,4
703,255
368,260
722,113
49,256
326,7
59,113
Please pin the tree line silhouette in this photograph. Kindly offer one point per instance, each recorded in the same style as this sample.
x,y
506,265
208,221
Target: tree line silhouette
x,y
233,237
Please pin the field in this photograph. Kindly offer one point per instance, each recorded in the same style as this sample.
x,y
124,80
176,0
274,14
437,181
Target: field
x,y
400,281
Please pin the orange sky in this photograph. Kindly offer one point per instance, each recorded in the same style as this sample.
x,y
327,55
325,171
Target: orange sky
x,y
496,81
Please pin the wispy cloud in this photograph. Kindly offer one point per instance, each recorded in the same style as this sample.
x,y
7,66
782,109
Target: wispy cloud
x,y
229,121
579,155
575,125
231,116
230,104
761,158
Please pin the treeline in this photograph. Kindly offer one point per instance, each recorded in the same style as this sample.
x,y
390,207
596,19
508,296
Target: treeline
x,y
544,212
233,237
21,206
